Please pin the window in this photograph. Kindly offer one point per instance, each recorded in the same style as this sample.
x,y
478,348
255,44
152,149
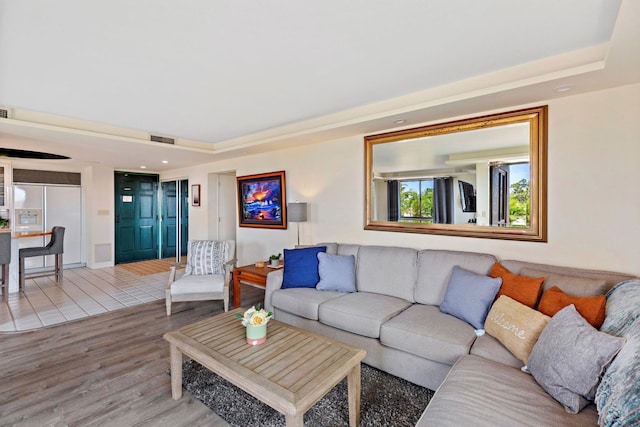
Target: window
x,y
416,201
510,195
520,196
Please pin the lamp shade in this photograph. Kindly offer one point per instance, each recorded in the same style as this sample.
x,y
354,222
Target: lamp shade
x,y
297,212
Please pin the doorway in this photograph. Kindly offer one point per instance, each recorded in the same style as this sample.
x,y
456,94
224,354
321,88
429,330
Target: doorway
x,y
136,219
499,187
222,213
174,219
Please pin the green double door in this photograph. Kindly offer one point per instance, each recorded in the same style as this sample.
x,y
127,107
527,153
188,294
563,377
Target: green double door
x,y
138,233
175,218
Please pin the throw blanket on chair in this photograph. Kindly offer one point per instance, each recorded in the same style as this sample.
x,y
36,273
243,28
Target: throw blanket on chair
x,y
618,395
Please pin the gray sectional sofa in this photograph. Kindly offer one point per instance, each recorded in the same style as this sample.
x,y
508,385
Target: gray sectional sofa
x,y
395,316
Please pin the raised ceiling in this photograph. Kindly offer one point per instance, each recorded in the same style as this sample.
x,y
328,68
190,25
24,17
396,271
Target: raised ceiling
x,y
227,77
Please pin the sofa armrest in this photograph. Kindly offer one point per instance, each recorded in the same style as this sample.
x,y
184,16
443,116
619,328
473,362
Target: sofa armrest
x,y
274,282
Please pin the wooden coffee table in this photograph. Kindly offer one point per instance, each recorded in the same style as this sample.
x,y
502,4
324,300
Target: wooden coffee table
x,y
290,372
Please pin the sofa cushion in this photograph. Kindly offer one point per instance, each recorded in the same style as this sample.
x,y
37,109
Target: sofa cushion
x,y
332,247
469,296
197,284
569,358
303,302
348,249
434,271
482,393
610,277
301,267
591,308
361,313
387,270
425,331
577,286
525,290
490,348
337,273
515,325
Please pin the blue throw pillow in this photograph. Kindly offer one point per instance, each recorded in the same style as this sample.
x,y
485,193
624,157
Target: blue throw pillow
x,y
301,267
469,296
337,273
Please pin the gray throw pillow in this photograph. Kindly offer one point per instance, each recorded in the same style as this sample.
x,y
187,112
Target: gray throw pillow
x,y
337,273
206,257
569,358
469,296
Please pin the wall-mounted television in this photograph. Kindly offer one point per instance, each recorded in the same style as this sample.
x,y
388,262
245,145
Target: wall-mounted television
x,y
467,196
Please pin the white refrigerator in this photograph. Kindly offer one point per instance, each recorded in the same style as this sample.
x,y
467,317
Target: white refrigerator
x,y
41,207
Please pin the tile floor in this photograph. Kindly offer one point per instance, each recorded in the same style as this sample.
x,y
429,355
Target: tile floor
x,y
84,293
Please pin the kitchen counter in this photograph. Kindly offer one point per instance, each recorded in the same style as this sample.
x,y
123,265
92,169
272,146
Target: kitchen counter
x,y
16,236
25,234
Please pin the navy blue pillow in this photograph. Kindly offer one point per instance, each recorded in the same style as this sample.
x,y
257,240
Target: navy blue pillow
x,y
301,267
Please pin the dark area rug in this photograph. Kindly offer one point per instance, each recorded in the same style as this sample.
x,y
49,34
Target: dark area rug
x,y
385,401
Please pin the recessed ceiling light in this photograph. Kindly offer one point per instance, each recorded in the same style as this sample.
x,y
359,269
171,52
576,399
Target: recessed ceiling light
x,y
562,88
143,167
400,121
165,161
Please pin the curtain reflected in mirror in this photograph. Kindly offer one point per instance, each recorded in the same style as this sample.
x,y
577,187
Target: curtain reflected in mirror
x,y
482,177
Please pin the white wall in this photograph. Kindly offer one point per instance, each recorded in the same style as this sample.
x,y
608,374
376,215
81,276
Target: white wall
x,y
593,203
97,183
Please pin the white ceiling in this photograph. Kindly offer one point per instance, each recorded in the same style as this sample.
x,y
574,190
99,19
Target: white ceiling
x,y
230,78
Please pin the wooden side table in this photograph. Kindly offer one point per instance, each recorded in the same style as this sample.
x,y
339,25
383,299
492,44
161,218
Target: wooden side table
x,y
250,275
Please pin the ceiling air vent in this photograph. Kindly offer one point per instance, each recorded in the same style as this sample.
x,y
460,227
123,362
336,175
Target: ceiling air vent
x,y
5,113
163,139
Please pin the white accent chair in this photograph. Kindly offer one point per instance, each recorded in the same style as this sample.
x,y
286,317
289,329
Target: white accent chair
x,y
198,283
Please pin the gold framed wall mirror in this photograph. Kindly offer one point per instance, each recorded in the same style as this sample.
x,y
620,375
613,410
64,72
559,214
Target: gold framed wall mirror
x,y
479,177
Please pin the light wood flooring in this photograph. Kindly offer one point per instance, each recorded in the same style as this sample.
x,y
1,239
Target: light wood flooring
x,y
105,370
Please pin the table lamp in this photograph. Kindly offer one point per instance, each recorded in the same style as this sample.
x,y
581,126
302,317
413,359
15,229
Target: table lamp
x,y
297,212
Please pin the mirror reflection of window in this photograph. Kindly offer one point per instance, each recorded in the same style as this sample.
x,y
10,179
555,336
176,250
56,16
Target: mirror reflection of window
x,y
520,196
416,201
478,177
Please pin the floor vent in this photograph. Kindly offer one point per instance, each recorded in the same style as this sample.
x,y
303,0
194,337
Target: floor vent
x,y
5,113
162,139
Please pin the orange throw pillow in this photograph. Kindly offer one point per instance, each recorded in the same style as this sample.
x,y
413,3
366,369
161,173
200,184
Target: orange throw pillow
x,y
525,290
593,309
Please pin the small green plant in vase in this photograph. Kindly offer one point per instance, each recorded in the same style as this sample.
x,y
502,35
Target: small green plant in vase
x,y
275,260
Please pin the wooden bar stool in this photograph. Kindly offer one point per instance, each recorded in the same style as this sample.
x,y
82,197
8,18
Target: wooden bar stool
x,y
5,260
54,247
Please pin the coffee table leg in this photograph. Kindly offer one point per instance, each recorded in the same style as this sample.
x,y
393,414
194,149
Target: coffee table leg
x,y
353,386
294,420
175,356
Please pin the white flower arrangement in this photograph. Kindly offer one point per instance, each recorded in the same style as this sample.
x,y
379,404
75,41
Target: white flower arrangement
x,y
255,316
